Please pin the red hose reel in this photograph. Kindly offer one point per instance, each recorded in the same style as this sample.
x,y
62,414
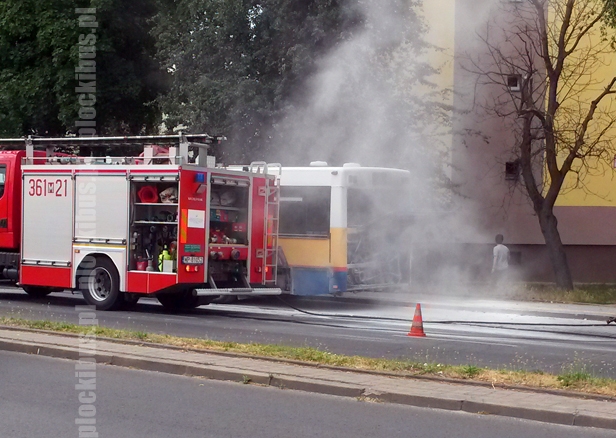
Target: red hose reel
x,y
148,194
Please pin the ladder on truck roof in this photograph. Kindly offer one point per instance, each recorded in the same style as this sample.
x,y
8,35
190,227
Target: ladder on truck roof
x,y
178,145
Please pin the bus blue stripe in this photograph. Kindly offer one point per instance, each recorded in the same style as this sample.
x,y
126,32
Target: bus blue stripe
x,y
317,281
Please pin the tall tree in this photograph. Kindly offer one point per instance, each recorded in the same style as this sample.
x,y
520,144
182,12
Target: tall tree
x,y
550,62
236,64
247,69
39,50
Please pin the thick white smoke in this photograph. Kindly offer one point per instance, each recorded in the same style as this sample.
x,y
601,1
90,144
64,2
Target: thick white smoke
x,y
367,102
374,101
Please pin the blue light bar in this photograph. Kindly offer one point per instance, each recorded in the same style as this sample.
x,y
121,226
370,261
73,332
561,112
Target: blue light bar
x,y
200,178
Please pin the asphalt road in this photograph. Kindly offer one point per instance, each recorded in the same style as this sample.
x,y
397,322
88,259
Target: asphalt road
x,y
492,333
39,399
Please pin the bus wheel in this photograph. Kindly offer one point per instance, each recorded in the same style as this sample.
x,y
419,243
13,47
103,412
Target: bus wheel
x,y
100,285
179,301
37,291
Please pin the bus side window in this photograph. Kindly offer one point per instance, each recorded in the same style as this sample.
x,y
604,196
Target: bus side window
x,y
2,179
304,211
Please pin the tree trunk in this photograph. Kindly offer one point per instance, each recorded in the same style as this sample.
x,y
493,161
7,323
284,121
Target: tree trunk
x,y
556,250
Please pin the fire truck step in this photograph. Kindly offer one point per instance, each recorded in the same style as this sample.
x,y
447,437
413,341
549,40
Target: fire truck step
x,y
238,291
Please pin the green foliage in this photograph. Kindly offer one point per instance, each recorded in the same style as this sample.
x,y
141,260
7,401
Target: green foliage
x,y
39,50
583,293
573,378
141,335
247,69
609,21
236,63
611,12
470,371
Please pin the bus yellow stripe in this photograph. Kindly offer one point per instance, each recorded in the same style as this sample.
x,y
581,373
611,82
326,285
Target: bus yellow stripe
x,y
305,251
313,252
339,247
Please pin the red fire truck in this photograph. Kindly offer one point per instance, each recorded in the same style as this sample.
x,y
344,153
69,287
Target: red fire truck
x,y
118,229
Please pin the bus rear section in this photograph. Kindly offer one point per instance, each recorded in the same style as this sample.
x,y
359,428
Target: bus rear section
x,y
379,221
344,228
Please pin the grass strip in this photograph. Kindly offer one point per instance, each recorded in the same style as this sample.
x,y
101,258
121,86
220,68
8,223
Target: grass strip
x,y
583,294
572,379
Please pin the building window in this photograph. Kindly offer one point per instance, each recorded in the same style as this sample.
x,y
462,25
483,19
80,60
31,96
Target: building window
x,y
512,170
514,82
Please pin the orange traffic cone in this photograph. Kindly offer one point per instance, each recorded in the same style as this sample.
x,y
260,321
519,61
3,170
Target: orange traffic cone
x,y
417,326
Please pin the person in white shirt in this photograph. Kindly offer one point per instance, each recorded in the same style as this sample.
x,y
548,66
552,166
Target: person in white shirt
x,y
500,260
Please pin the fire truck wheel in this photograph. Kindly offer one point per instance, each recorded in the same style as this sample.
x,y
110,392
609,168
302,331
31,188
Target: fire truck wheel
x,y
179,301
100,286
37,291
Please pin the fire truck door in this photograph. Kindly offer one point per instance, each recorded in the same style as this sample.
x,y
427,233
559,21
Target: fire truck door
x,y
47,219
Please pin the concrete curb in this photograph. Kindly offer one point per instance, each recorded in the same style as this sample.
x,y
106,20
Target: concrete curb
x,y
182,369
469,382
440,399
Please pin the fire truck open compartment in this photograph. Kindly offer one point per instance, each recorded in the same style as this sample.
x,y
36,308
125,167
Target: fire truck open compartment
x,y
154,225
228,232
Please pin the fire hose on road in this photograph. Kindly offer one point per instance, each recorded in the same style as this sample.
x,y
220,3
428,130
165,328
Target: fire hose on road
x,y
339,315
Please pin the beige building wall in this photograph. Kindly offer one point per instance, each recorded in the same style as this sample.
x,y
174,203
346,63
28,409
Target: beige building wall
x,y
594,183
489,203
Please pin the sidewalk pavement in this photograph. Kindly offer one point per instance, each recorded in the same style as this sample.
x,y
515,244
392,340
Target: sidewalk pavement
x,y
526,404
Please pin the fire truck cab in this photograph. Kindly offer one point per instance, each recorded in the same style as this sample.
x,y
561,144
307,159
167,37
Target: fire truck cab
x,y
120,228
